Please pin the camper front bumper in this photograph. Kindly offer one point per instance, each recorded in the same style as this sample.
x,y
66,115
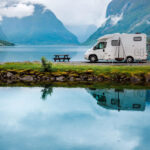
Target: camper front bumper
x,y
86,56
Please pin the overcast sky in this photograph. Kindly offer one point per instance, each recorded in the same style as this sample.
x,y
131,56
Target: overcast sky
x,y
70,12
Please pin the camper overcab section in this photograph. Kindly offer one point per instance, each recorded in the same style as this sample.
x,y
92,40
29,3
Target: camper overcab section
x,y
119,47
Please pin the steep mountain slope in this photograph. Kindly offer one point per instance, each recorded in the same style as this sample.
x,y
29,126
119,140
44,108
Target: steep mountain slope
x,y
129,16
42,27
2,35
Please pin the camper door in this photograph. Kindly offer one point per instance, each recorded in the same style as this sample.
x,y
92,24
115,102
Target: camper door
x,y
100,49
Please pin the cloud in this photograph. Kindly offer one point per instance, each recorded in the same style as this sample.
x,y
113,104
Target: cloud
x,y
16,10
70,12
78,12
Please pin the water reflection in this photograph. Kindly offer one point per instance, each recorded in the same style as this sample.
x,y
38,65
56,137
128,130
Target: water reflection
x,y
116,99
70,119
47,90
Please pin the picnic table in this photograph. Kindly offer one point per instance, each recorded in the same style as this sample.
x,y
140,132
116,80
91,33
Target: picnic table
x,y
61,58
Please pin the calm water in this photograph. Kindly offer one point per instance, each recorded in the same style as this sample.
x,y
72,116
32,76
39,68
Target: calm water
x,y
74,119
34,53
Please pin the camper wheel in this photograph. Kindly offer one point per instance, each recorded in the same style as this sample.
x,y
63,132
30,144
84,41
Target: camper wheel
x,y
93,58
130,59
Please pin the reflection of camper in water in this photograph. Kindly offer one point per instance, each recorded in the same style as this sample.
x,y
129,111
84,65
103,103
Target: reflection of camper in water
x,y
101,98
133,100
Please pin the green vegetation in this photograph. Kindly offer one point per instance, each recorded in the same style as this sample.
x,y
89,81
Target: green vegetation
x,y
46,65
5,43
67,75
48,90
97,70
107,70
21,66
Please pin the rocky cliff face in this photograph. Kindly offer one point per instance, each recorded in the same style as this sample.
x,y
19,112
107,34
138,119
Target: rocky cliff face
x,y
129,16
43,27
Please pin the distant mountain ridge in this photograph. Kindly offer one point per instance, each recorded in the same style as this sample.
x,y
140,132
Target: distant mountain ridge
x,y
43,27
129,16
3,39
82,31
5,43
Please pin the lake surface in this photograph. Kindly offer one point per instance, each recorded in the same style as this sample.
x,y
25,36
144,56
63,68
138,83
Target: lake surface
x,y
34,53
48,118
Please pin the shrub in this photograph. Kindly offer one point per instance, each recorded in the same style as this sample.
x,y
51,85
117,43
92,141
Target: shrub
x,y
46,65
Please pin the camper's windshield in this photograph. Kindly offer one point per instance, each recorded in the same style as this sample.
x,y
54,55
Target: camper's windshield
x,y
100,45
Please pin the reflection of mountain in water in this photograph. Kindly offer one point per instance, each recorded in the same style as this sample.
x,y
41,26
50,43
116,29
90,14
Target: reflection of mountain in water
x,y
132,100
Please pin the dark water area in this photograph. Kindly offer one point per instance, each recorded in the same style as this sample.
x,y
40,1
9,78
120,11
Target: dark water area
x,y
43,118
34,53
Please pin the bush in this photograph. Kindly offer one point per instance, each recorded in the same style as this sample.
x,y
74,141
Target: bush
x,y
46,65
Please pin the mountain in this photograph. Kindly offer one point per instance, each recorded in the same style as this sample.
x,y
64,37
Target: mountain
x,y
129,16
3,39
82,31
5,43
2,35
43,27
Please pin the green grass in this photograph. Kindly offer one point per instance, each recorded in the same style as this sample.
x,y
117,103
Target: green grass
x,y
20,66
107,70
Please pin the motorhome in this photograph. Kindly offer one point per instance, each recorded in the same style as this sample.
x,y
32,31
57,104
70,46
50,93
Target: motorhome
x,y
121,100
119,47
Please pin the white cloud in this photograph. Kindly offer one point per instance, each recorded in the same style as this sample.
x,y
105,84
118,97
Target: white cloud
x,y
16,10
71,12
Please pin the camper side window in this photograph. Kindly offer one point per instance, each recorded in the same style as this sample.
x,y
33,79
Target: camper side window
x,y
137,38
136,106
115,42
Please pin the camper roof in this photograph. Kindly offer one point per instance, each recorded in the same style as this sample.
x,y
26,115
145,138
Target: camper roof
x,y
108,36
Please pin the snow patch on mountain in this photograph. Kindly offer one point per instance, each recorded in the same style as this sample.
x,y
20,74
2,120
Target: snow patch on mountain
x,y
145,20
115,19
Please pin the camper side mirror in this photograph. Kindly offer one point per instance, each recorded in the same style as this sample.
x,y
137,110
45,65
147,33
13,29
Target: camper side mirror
x,y
94,48
103,50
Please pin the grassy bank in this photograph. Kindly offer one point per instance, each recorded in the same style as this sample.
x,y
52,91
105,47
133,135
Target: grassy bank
x,y
35,74
78,68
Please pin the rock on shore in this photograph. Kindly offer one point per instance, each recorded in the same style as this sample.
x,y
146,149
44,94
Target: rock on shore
x,y
37,77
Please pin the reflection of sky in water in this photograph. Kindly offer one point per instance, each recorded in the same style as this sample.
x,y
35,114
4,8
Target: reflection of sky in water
x,y
68,119
34,53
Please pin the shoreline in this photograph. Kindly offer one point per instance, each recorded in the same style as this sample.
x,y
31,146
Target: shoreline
x,y
91,85
31,73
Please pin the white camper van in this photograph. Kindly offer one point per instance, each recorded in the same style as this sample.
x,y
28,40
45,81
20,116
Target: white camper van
x,y
119,47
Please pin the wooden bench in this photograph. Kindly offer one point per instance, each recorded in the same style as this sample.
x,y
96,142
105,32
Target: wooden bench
x,y
62,58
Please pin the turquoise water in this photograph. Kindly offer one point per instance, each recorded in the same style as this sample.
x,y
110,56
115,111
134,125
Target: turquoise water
x,y
34,53
74,119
